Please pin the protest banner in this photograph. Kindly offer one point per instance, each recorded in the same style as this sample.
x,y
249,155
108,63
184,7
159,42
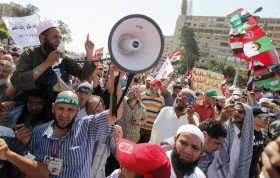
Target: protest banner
x,y
203,80
165,69
23,29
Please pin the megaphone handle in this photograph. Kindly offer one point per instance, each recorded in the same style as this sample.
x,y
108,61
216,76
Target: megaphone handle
x,y
129,80
115,98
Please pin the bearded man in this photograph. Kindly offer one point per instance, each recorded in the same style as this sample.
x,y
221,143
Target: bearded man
x,y
66,140
184,157
40,67
220,104
171,118
5,71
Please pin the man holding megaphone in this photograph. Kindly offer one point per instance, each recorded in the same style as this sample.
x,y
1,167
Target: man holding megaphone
x,y
36,67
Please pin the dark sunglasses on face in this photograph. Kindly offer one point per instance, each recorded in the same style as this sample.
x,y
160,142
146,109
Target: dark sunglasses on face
x,y
240,111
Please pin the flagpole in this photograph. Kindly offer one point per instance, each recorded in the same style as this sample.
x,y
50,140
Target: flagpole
x,y
237,71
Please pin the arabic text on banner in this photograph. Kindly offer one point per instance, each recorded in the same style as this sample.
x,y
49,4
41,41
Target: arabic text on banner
x,y
203,80
23,29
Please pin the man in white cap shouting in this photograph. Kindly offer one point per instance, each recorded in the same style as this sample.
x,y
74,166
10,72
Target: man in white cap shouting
x,y
37,65
185,154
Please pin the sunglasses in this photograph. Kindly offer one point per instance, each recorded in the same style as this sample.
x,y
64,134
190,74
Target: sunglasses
x,y
190,100
240,111
264,118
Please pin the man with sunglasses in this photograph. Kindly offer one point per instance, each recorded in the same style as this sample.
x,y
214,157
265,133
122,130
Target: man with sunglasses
x,y
171,118
261,120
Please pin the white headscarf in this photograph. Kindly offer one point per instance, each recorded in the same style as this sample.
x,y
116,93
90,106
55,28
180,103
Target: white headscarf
x,y
246,148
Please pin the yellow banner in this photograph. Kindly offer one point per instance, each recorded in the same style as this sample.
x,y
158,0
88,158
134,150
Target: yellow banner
x,y
203,80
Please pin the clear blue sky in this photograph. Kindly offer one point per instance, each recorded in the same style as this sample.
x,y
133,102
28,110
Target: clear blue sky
x,y
97,17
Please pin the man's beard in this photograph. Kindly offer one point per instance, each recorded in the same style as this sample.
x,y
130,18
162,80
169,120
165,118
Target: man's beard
x,y
183,166
48,47
3,81
132,97
65,127
177,108
219,107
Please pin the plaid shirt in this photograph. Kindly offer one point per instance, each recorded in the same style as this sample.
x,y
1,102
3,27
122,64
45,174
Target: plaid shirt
x,y
138,112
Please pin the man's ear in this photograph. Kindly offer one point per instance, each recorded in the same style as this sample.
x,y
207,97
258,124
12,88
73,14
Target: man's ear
x,y
42,38
53,107
205,134
175,138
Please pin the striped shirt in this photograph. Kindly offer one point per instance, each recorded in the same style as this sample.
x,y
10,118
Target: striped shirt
x,y
101,152
153,107
76,152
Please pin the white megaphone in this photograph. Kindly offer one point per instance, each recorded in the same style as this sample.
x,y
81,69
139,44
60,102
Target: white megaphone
x,y
135,43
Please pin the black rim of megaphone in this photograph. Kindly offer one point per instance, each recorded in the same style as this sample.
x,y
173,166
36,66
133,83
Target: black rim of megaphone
x,y
112,33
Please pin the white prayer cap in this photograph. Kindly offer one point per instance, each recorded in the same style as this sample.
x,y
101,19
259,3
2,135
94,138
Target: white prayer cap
x,y
237,92
191,129
44,25
189,91
265,100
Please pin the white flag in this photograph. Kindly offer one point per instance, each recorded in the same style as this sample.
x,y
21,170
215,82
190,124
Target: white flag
x,y
165,70
23,29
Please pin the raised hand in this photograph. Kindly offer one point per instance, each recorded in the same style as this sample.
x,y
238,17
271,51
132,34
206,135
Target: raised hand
x,y
23,134
89,46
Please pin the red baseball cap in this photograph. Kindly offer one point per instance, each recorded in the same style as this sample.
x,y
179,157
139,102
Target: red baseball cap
x,y
156,82
146,159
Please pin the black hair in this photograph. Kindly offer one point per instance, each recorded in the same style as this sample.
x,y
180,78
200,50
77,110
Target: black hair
x,y
15,54
175,86
213,128
197,93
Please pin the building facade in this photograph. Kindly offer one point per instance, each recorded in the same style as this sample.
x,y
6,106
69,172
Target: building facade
x,y
212,35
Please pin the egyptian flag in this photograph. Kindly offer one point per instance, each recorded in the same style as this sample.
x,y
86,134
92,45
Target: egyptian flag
x,y
236,41
98,54
176,56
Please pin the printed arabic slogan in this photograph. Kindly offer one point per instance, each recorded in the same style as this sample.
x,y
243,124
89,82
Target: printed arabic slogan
x,y
23,29
203,80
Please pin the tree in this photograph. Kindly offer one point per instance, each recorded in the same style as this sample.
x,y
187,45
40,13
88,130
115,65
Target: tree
x,y
65,32
243,77
3,30
189,45
224,67
26,11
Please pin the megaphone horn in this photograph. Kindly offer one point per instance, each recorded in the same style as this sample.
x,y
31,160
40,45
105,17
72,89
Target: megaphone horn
x,y
135,43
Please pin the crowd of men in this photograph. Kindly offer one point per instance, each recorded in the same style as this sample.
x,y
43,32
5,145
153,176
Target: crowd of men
x,y
58,119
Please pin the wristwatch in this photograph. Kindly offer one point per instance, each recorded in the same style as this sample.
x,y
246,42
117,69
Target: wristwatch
x,y
36,71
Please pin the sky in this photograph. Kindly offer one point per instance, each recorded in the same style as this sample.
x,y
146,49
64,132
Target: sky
x,y
97,17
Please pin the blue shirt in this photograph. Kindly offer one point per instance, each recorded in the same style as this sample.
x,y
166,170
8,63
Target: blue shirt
x,y
76,152
205,161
